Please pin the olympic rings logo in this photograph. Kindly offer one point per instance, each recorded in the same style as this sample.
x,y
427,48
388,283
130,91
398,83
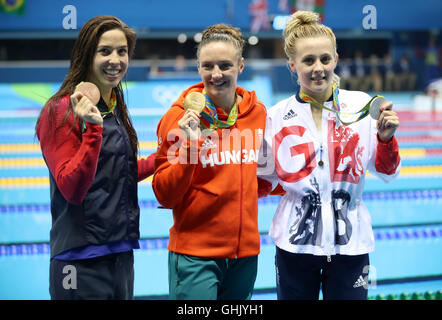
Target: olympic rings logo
x,y
166,95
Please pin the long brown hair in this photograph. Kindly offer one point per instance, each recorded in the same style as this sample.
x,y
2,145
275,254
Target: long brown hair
x,y
81,65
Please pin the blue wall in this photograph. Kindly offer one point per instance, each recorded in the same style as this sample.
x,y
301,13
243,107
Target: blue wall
x,y
198,14
279,75
391,14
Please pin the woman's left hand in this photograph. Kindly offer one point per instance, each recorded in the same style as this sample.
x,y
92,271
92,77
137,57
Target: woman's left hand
x,y
387,123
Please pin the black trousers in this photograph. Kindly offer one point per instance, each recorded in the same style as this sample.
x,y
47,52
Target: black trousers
x,y
102,278
302,276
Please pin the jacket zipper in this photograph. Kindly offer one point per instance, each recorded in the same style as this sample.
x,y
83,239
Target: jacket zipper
x,y
240,198
125,137
322,172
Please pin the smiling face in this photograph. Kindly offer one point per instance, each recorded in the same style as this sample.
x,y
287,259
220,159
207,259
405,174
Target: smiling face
x,y
315,62
219,67
110,61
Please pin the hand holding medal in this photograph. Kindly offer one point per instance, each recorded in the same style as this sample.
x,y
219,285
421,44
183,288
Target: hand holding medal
x,y
89,90
84,101
194,101
194,104
388,122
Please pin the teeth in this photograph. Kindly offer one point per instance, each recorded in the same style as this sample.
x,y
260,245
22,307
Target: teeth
x,y
111,72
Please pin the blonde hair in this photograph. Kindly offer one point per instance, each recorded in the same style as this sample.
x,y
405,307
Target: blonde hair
x,y
304,24
225,33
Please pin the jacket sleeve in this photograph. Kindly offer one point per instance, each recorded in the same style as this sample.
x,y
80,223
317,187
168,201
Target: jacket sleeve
x,y
71,157
175,160
146,167
385,160
265,189
387,156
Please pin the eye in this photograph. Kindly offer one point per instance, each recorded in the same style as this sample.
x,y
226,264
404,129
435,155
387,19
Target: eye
x,y
207,66
122,51
104,51
325,59
308,61
225,66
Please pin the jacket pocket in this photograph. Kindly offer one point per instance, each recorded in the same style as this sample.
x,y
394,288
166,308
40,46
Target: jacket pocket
x,y
199,206
205,190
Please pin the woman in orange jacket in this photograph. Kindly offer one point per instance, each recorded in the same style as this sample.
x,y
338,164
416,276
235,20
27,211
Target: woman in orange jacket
x,y
205,170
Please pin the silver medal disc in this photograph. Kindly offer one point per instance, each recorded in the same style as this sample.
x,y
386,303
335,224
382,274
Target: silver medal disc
x,y
375,107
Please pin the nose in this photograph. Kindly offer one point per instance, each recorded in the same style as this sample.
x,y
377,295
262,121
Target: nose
x,y
318,67
114,58
216,73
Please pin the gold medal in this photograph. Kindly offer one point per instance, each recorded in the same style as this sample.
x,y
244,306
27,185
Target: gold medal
x,y
194,101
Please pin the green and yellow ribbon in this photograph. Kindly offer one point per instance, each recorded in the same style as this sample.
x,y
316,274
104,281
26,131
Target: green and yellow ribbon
x,y
113,104
210,115
365,111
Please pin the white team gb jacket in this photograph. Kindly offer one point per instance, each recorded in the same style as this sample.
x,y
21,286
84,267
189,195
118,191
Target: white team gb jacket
x,y
323,174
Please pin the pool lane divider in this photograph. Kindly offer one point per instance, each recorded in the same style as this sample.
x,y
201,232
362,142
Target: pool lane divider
x,y
26,148
433,232
29,148
433,171
153,204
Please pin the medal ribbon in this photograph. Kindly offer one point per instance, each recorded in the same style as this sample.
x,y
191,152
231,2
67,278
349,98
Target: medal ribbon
x,y
210,115
365,111
113,103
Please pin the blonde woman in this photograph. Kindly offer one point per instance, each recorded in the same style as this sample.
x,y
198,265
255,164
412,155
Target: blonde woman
x,y
321,228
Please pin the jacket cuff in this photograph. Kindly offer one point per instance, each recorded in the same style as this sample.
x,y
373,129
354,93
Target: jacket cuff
x,y
387,156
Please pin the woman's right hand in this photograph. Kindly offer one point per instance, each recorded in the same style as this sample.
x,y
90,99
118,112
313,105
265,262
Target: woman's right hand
x,y
189,124
85,109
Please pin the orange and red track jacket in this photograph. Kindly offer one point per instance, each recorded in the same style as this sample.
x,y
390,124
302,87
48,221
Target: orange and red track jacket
x,y
211,184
